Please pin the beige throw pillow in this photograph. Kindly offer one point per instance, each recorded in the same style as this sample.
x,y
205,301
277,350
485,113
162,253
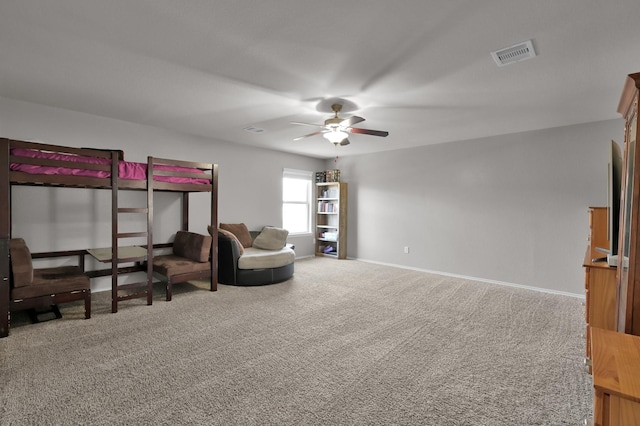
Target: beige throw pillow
x,y
271,238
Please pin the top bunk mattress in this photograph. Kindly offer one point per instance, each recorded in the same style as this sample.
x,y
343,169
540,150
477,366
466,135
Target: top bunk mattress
x,y
126,170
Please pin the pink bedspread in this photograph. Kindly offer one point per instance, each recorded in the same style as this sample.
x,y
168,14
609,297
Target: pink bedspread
x,y
126,170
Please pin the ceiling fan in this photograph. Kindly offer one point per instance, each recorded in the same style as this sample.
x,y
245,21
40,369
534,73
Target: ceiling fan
x,y
336,130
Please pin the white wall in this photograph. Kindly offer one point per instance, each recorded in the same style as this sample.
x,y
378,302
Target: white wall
x,y
511,209
250,180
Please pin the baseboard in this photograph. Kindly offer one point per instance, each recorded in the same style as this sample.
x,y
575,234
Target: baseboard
x,y
484,280
447,274
305,257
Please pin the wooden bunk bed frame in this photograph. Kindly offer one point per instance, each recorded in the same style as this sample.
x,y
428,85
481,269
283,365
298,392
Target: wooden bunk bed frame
x,y
112,158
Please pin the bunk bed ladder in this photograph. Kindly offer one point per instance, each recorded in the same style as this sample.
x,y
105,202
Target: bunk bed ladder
x,y
121,254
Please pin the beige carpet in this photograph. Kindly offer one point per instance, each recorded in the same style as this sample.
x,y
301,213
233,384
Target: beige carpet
x,y
342,343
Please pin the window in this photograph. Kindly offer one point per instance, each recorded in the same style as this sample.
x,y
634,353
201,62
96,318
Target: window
x,y
296,201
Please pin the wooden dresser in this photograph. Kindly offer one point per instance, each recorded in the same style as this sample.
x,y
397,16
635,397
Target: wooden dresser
x,y
616,378
629,243
615,353
600,279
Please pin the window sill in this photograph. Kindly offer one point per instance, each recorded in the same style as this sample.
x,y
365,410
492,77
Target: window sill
x,y
301,234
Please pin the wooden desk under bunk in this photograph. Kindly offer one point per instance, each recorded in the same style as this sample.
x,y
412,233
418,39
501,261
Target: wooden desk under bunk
x,y
126,254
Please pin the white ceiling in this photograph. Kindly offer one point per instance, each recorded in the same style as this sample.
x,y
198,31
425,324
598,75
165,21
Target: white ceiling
x,y
420,69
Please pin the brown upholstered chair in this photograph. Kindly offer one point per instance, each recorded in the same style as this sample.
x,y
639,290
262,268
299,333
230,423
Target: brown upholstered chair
x,y
189,261
34,288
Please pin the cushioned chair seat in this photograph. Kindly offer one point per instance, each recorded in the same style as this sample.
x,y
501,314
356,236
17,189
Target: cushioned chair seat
x,y
169,265
33,288
65,279
254,258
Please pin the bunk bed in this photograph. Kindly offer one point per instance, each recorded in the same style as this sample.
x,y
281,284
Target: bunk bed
x,y
39,164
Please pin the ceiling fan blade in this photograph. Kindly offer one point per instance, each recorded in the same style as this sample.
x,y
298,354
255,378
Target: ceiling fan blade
x,y
319,132
306,124
368,132
348,122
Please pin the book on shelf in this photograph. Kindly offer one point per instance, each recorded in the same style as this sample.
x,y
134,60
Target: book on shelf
x,y
328,193
327,207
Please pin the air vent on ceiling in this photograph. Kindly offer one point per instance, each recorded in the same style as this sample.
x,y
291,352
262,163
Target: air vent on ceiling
x,y
516,53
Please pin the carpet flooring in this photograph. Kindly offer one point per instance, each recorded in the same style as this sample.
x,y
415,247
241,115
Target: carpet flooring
x,y
341,343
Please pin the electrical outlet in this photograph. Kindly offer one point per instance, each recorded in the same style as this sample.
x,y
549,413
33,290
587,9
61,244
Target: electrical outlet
x,y
406,249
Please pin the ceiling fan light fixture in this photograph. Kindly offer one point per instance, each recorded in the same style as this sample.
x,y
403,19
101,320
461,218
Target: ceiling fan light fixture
x,y
335,136
337,129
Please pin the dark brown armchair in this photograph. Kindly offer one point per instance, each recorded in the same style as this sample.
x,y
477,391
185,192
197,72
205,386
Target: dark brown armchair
x,y
190,260
33,288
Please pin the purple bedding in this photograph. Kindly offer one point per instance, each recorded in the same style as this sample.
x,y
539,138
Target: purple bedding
x,y
126,170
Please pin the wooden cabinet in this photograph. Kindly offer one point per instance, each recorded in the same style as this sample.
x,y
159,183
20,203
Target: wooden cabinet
x,y
615,355
616,378
331,219
629,237
600,279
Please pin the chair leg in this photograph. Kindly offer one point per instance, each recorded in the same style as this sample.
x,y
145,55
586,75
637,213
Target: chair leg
x,y
56,311
169,290
87,305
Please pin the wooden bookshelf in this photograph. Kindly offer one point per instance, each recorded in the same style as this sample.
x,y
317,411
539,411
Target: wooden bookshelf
x,y
331,219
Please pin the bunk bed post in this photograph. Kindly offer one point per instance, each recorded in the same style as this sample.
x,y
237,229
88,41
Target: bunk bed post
x,y
185,211
114,231
214,225
5,235
150,230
